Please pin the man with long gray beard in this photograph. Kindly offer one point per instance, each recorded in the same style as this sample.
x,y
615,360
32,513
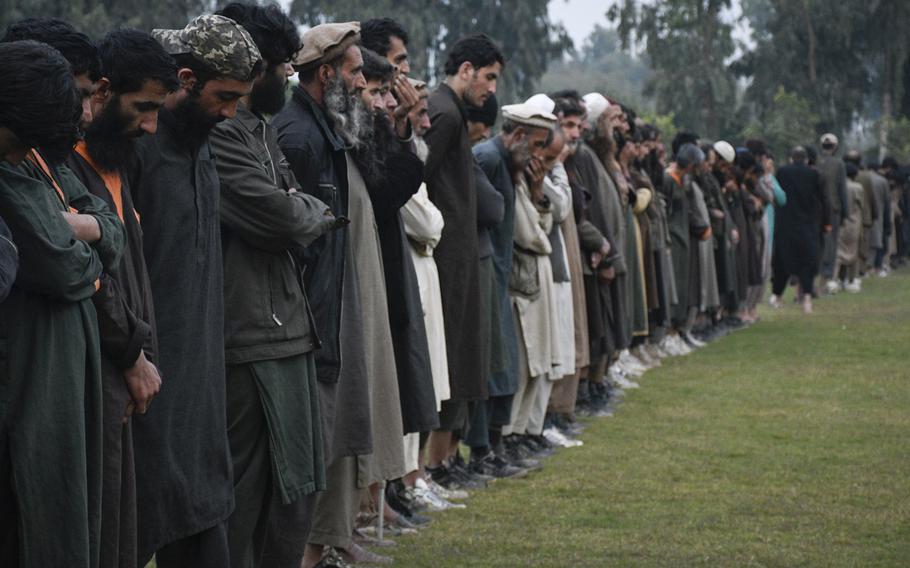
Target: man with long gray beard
x,y
137,75
184,476
316,128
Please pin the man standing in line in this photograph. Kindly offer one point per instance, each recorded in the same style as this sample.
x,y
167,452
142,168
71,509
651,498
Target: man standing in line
x,y
472,68
796,228
315,130
274,424
137,74
50,415
184,483
834,180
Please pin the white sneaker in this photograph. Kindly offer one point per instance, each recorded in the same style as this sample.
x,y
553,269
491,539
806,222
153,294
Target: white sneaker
x,y
618,378
630,364
882,273
853,287
439,490
831,287
693,341
557,438
681,346
775,302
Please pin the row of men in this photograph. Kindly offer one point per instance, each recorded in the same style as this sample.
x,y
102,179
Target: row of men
x,y
328,293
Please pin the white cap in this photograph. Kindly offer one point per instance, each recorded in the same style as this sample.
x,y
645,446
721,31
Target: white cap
x,y
725,150
829,139
529,115
596,104
543,102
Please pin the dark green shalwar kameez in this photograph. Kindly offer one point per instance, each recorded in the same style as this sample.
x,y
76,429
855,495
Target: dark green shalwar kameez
x,y
50,373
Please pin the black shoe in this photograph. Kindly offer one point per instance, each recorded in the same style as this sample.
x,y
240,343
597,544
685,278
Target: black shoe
x,y
537,449
396,499
493,465
457,462
448,479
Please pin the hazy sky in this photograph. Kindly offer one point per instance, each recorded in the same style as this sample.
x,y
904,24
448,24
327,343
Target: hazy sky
x,y
579,17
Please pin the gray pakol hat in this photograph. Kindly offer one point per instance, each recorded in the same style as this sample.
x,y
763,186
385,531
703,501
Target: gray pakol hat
x,y
324,43
219,42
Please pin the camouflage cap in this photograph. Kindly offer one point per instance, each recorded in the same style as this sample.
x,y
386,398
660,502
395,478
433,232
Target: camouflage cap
x,y
220,42
325,42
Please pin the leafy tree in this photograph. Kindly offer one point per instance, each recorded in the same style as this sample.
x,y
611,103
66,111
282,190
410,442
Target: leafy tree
x,y
602,66
687,43
789,121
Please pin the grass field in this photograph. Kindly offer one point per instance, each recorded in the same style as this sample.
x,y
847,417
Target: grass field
x,y
785,444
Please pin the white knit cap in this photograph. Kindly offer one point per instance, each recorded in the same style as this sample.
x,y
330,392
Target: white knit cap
x,y
596,104
543,102
725,150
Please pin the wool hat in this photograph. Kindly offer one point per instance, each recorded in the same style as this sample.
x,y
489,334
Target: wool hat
x,y
543,102
324,43
529,115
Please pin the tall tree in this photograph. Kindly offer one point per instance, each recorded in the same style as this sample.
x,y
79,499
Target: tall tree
x,y
602,65
529,40
687,43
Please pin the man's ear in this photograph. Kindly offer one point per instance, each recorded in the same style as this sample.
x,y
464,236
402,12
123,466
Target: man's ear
x,y
187,78
466,70
325,74
103,93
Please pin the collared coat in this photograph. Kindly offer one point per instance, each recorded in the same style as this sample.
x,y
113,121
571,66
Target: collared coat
x,y
316,155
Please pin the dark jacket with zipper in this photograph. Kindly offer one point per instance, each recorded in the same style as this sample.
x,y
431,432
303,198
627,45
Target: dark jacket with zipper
x,y
266,314
316,156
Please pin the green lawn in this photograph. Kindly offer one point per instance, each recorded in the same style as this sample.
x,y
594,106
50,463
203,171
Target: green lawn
x,y
786,444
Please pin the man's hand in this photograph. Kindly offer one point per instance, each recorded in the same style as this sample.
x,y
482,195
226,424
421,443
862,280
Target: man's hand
x,y
143,382
406,95
85,227
827,228
536,173
599,255
734,235
607,274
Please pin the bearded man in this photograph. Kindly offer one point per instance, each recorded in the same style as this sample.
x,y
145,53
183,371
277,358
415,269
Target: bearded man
x,y
320,123
184,469
136,76
503,159
50,421
274,424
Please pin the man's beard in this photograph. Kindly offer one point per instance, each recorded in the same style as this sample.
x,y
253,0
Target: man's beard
x,y
374,148
108,142
193,122
268,95
521,156
352,120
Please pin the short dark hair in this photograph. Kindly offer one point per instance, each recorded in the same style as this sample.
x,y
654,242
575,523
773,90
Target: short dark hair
x,y
205,72
76,47
799,154
39,102
129,58
477,49
890,162
757,146
567,94
486,114
683,137
376,34
375,66
274,33
568,105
